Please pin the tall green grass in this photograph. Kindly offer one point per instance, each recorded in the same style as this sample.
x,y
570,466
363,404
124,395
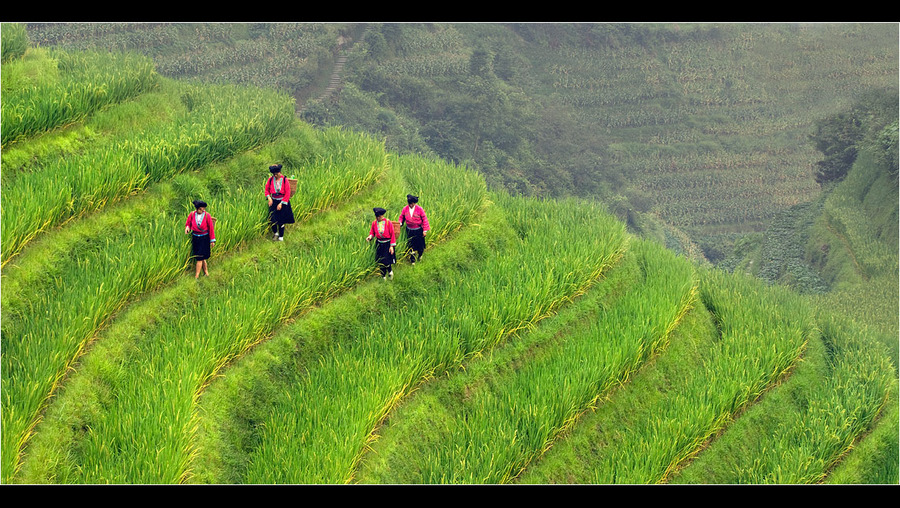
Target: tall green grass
x,y
322,257
488,428
13,41
224,121
762,334
800,430
728,357
44,334
85,83
317,432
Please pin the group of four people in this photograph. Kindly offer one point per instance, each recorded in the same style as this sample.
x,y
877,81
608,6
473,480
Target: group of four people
x,y
201,225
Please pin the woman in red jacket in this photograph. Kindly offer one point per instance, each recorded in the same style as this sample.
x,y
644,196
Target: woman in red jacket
x,y
382,231
201,226
413,217
278,194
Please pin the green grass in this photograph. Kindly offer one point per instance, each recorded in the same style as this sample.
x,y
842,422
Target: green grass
x,y
719,361
534,343
137,251
83,84
798,431
487,422
235,403
225,121
334,413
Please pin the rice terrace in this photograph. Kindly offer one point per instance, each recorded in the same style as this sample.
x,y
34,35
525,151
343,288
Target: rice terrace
x,y
656,253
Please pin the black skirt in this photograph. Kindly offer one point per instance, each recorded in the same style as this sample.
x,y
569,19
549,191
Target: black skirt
x,y
415,239
283,216
200,248
383,254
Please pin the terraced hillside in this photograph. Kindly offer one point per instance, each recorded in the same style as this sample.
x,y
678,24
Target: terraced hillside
x,y
537,341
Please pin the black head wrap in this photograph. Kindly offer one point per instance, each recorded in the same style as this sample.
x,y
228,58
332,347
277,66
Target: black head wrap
x,y
379,211
412,199
199,204
275,168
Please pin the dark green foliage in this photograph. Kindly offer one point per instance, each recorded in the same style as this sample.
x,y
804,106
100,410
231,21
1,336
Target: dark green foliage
x,y
836,137
886,144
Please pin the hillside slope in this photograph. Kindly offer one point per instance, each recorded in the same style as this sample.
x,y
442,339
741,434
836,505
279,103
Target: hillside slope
x,y
531,328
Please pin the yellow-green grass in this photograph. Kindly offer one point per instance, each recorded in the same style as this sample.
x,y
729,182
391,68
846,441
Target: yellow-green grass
x,y
242,396
716,364
65,300
225,120
800,430
506,407
319,428
14,41
144,112
321,257
78,84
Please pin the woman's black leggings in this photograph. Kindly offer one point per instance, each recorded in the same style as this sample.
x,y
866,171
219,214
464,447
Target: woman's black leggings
x,y
278,229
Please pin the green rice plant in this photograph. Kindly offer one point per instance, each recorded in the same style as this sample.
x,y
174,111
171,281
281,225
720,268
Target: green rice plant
x,y
49,332
155,400
41,344
500,424
13,41
238,314
86,83
761,334
739,341
318,432
811,420
226,123
243,394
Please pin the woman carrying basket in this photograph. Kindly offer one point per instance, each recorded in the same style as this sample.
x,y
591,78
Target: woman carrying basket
x,y
413,217
382,231
278,194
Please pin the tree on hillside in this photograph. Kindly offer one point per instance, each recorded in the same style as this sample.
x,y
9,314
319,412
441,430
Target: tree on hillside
x,y
886,143
836,137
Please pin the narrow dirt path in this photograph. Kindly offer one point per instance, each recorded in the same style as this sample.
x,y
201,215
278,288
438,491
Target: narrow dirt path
x,y
343,44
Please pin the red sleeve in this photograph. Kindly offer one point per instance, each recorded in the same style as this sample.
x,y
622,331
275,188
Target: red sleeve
x,y
267,186
187,223
286,188
425,225
212,233
372,229
393,235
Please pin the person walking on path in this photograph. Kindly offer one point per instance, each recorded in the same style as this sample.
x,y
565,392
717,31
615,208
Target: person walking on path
x,y
416,222
278,194
201,226
382,231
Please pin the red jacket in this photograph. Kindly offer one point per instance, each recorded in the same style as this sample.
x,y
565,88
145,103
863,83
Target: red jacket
x,y
388,231
206,225
414,218
285,188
